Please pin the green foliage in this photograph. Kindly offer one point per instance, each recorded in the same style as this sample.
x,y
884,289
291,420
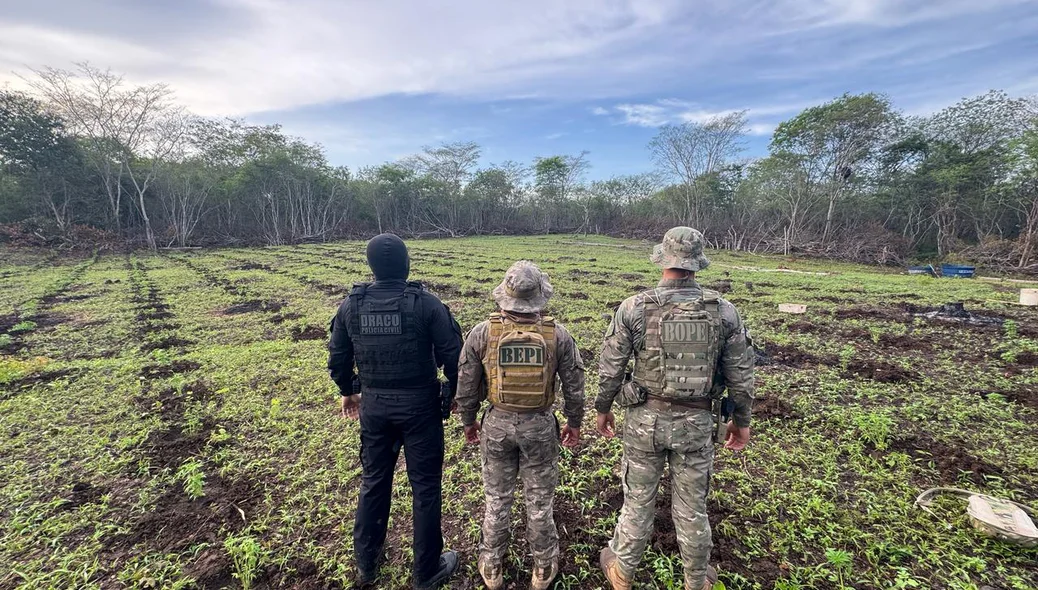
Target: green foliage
x,y
247,555
193,478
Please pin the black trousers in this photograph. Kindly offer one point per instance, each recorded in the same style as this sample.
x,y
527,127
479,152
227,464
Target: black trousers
x,y
387,422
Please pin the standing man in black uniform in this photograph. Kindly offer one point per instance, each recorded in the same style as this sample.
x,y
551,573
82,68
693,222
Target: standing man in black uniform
x,y
397,333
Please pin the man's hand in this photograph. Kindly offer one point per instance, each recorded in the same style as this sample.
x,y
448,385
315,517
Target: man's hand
x,y
570,436
606,424
472,433
738,437
350,405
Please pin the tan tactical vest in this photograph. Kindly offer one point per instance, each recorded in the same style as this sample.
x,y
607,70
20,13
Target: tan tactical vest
x,y
682,344
520,363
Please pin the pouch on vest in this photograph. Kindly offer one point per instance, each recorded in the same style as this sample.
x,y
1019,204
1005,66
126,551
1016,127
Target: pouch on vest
x,y
631,395
520,364
682,344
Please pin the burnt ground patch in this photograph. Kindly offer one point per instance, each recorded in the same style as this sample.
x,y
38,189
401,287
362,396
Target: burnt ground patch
x,y
300,333
949,461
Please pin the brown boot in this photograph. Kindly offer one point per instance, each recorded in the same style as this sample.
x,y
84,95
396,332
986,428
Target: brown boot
x,y
611,568
544,576
708,584
492,572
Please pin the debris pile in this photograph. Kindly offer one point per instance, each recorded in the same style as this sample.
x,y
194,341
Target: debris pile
x,y
955,311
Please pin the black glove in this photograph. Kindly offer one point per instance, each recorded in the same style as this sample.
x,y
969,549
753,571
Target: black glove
x,y
446,400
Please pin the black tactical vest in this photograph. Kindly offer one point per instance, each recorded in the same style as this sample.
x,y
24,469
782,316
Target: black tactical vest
x,y
389,350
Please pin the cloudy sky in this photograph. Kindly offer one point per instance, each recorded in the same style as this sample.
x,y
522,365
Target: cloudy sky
x,y
375,80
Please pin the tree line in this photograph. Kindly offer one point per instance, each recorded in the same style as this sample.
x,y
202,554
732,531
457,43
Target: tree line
x,y
86,156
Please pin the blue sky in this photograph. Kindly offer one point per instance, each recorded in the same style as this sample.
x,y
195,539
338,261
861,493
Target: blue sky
x,y
376,80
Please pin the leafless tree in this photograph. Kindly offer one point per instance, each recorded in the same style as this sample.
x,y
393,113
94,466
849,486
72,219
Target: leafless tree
x,y
691,150
118,121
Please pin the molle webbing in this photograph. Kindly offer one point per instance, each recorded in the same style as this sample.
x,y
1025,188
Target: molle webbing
x,y
682,341
519,363
388,349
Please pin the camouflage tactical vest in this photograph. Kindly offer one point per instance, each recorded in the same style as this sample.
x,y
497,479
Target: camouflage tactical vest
x,y
519,364
682,342
389,350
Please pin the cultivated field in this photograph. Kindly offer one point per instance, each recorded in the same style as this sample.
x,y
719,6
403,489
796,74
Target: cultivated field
x,y
167,422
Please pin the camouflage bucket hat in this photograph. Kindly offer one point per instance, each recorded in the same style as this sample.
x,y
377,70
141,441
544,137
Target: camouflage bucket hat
x,y
525,289
682,247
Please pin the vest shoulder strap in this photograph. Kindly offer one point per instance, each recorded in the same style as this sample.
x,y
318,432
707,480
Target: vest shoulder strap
x,y
710,296
359,289
548,321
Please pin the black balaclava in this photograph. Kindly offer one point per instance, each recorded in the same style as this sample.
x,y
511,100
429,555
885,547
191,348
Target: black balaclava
x,y
387,257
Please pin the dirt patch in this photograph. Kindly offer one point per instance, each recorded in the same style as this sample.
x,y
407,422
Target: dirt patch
x,y
599,282
773,407
904,342
728,552
723,286
165,343
831,299
252,266
444,289
164,371
578,272
475,293
865,312
301,333
82,493
579,296
785,355
950,461
613,304
1026,359
254,305
880,371
154,314
632,276
33,380
284,317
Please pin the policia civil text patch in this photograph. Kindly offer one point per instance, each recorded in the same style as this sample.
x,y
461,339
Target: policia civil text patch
x,y
380,323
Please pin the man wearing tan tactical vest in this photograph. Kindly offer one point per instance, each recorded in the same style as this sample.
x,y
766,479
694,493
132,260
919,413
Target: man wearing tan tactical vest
x,y
513,360
688,344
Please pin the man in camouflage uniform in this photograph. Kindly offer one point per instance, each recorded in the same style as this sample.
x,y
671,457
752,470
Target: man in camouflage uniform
x,y
513,360
687,343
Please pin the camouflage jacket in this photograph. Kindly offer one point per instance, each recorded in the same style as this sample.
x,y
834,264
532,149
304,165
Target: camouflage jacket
x,y
472,382
626,333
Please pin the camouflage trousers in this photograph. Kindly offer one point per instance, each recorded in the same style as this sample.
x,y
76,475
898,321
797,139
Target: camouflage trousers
x,y
652,439
520,445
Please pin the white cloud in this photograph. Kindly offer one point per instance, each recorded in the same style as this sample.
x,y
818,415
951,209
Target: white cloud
x,y
262,55
599,111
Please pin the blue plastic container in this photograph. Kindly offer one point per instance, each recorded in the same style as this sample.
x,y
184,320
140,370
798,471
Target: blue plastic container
x,y
957,271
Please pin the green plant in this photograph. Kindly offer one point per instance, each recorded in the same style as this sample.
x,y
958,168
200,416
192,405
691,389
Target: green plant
x,y
841,563
874,428
247,555
190,473
23,326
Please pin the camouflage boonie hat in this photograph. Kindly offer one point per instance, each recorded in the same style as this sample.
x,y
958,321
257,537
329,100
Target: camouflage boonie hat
x,y
525,289
682,248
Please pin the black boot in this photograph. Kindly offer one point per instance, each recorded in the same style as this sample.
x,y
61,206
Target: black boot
x,y
448,565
